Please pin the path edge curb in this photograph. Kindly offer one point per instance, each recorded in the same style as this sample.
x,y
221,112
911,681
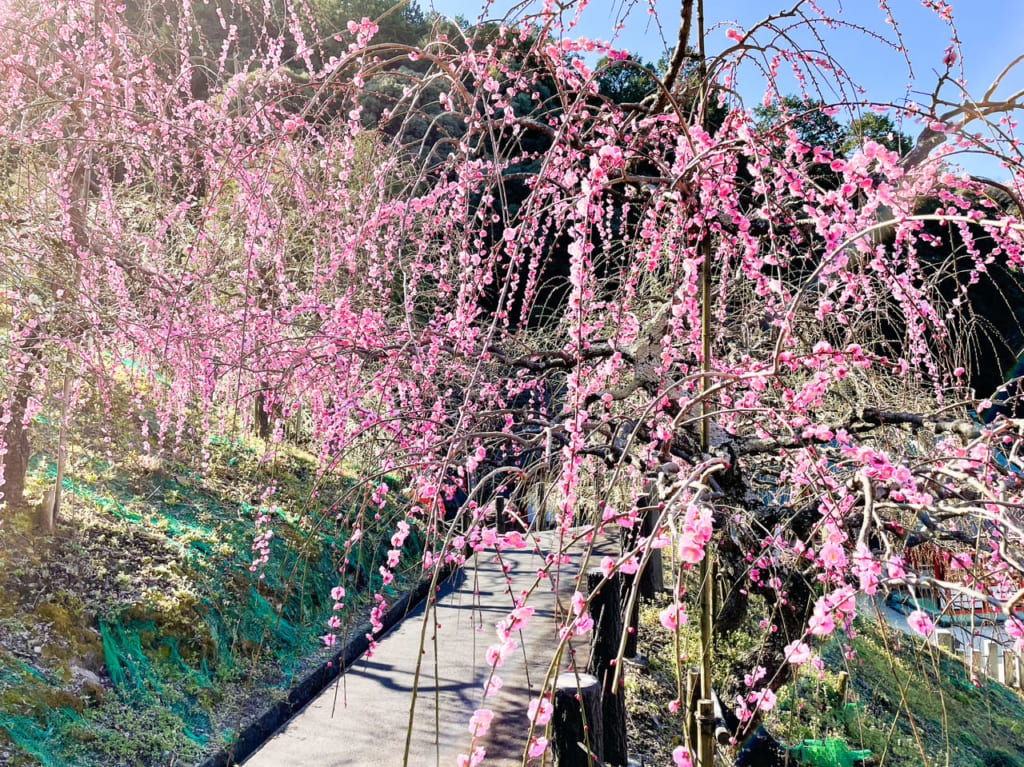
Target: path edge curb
x,y
259,730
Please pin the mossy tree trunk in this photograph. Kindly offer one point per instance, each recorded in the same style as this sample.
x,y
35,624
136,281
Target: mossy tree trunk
x,y
15,435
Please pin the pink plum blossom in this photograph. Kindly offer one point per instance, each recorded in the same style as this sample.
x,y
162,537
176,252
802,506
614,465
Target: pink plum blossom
x,y
540,711
471,760
538,746
681,757
921,622
480,722
672,616
797,652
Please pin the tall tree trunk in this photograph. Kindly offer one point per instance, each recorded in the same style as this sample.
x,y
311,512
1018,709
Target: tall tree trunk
x,y
263,414
17,444
81,180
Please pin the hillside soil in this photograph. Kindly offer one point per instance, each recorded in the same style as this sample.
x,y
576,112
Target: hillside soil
x,y
180,596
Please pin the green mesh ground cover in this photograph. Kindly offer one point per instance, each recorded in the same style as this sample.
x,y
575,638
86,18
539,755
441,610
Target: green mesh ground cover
x,y
37,736
43,740
189,670
830,752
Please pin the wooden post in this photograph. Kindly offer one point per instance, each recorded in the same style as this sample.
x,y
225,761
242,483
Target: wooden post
x,y
541,512
975,656
1011,669
706,728
692,694
607,634
844,679
651,579
630,582
576,732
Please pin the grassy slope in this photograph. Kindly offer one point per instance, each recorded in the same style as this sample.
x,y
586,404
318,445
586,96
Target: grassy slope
x,y
918,705
137,634
951,721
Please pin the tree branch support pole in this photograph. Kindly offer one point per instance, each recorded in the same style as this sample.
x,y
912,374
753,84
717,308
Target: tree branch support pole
x,y
705,706
501,519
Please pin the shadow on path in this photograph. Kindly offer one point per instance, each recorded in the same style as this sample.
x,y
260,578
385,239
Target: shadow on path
x,y
363,718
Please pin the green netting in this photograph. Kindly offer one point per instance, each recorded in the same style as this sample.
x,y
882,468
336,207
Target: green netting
x,y
15,670
830,752
42,739
129,667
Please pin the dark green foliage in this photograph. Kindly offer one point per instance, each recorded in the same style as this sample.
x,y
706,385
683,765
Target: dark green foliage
x,y
807,118
626,81
986,304
909,695
407,25
878,128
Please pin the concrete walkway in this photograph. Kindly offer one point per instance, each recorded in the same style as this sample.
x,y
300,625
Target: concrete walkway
x,y
364,717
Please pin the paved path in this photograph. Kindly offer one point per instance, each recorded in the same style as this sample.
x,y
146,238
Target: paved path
x,y
364,717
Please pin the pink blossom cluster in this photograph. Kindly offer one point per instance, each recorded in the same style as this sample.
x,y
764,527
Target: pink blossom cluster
x,y
697,529
834,609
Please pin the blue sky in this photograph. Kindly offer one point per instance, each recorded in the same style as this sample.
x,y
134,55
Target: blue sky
x,y
991,35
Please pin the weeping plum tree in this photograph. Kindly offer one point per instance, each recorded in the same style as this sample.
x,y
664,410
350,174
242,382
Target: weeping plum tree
x,y
755,355
676,303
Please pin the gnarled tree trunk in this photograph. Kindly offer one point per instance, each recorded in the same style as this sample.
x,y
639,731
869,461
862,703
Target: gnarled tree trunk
x,y
16,443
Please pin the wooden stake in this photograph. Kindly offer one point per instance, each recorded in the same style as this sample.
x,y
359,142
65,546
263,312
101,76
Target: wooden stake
x,y
576,731
607,635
